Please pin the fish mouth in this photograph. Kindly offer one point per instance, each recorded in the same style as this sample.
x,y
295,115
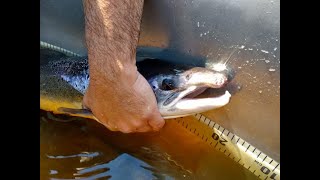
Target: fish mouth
x,y
194,99
191,91
194,91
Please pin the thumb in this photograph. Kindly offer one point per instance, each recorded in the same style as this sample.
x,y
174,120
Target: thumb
x,y
156,122
85,99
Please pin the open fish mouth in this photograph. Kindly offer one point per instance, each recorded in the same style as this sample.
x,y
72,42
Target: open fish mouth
x,y
190,101
193,99
191,92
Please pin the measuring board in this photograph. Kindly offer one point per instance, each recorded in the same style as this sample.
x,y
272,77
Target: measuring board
x,y
232,146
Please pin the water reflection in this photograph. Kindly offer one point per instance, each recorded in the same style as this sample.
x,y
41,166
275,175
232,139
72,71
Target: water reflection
x,y
75,148
71,151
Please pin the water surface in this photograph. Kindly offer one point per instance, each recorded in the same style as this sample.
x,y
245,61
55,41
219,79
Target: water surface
x,y
83,149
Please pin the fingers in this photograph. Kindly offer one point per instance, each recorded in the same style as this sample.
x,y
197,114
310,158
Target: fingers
x,y
146,128
153,122
85,101
133,126
108,126
127,127
156,122
142,115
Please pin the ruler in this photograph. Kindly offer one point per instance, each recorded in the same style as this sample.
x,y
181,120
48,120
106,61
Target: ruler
x,y
58,49
232,146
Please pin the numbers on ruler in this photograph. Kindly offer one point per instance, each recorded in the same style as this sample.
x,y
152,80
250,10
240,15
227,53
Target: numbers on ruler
x,y
216,137
266,170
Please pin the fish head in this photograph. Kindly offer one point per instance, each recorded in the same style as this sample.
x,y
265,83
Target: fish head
x,y
177,93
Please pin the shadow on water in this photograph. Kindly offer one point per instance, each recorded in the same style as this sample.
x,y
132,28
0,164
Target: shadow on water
x,y
76,148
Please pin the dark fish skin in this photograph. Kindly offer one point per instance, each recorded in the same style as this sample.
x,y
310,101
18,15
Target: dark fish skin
x,y
64,80
57,95
74,70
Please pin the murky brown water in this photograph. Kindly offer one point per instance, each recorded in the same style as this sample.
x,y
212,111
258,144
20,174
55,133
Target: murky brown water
x,y
83,149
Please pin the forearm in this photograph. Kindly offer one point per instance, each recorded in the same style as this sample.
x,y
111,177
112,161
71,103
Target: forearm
x,y
112,32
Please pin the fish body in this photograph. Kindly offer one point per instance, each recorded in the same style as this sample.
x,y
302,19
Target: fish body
x,y
64,80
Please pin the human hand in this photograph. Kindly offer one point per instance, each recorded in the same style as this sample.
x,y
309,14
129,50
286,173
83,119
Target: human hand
x,y
124,106
118,96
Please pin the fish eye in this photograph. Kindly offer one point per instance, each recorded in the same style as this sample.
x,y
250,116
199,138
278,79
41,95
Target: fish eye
x,y
167,84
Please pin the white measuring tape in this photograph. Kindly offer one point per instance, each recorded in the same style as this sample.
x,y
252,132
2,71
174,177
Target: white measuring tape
x,y
57,48
232,146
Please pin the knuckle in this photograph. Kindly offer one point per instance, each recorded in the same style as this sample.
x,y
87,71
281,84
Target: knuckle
x,y
125,129
157,125
139,123
142,126
144,129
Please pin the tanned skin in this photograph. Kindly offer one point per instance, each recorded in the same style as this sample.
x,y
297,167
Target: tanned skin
x,y
118,95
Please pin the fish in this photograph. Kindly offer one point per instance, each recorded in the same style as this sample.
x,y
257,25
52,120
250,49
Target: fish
x,y
177,87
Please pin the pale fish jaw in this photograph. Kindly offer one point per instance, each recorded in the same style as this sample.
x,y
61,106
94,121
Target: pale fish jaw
x,y
182,95
186,107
